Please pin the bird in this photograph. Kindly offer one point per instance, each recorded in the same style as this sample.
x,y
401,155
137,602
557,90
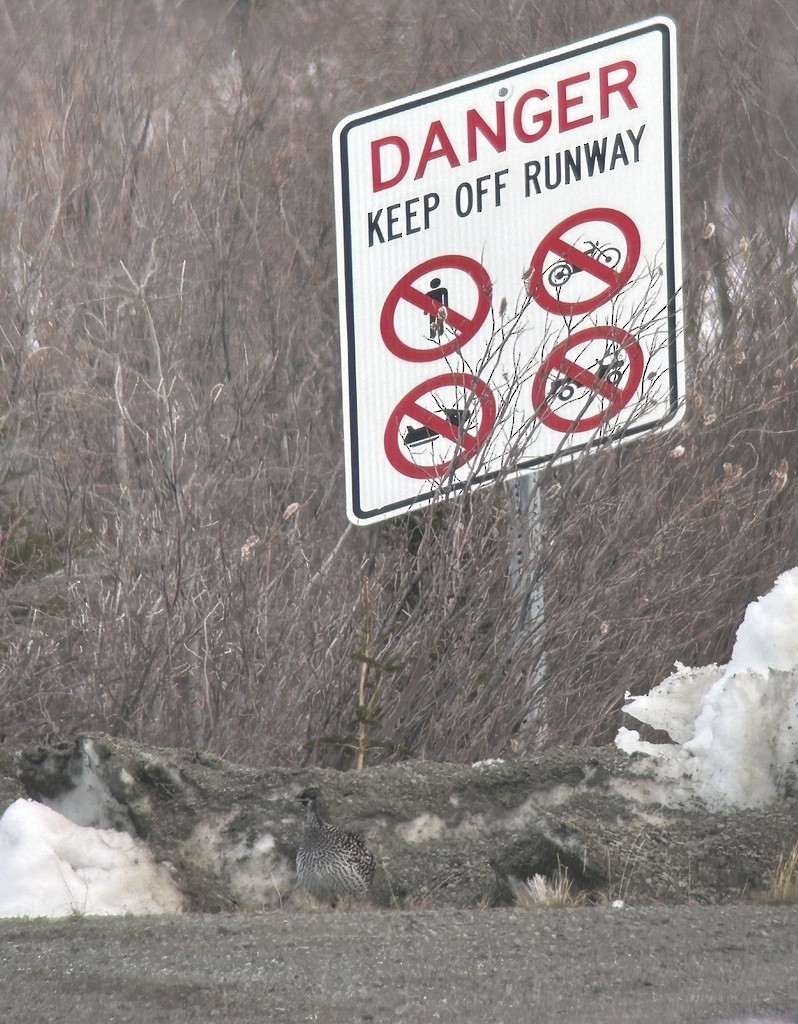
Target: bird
x,y
330,862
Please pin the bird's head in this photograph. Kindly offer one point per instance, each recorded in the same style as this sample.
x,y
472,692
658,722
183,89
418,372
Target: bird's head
x,y
309,797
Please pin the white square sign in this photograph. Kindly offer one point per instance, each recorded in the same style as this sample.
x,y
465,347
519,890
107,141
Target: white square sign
x,y
509,270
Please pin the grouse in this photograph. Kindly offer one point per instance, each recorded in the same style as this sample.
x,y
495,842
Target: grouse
x,y
330,862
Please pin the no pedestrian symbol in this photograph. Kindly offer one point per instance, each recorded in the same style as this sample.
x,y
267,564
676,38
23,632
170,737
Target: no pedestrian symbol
x,y
453,411
460,327
606,267
566,379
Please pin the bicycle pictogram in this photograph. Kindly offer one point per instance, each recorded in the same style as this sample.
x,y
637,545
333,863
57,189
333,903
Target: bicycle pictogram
x,y
562,271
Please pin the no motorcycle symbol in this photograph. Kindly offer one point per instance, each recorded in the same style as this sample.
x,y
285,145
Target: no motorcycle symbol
x,y
566,376
452,414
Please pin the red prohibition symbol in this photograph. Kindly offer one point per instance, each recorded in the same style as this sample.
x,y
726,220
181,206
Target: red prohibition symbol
x,y
593,261
405,290
444,423
594,380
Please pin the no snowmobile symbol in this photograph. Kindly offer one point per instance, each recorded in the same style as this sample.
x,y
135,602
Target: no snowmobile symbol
x,y
425,417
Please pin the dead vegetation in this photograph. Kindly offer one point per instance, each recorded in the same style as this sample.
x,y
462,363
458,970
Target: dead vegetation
x,y
175,564
541,891
784,886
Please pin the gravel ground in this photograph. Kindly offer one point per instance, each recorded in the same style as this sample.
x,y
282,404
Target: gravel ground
x,y
656,964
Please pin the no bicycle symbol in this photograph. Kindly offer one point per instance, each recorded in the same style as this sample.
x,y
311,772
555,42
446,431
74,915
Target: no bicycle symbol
x,y
440,319
446,420
605,270
596,374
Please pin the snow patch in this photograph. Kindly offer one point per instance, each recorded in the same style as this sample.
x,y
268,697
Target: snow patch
x,y
51,867
422,828
768,636
735,730
676,703
256,871
89,802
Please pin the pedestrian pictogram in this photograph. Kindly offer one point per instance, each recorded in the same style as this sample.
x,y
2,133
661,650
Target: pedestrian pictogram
x,y
597,366
439,425
563,253
421,289
440,297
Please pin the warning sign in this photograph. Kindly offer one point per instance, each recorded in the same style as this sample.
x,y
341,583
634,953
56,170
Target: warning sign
x,y
601,244
597,367
509,269
439,425
440,327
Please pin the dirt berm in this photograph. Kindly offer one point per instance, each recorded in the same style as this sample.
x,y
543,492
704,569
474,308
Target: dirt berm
x,y
446,835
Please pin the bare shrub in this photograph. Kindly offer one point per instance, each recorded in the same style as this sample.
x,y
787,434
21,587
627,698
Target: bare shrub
x,y
174,562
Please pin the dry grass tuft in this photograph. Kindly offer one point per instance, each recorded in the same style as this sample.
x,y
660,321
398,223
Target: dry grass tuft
x,y
784,887
541,891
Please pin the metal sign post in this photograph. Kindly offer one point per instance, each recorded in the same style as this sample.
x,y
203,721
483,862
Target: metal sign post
x,y
525,578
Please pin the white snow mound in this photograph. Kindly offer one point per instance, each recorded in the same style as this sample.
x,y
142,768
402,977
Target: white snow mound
x,y
768,636
735,729
51,867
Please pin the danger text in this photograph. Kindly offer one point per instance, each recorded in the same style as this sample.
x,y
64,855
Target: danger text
x,y
572,102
